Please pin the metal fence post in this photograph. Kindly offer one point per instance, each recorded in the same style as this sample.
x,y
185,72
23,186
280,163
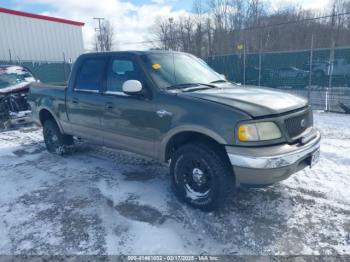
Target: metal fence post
x,y
326,98
64,66
244,63
10,56
310,67
330,72
260,51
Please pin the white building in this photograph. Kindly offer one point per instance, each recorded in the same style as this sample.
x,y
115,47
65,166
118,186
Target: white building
x,y
31,37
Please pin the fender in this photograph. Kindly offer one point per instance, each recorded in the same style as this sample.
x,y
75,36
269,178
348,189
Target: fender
x,y
52,114
187,128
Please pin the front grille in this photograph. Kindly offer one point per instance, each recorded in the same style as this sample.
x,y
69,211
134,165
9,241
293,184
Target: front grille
x,y
298,124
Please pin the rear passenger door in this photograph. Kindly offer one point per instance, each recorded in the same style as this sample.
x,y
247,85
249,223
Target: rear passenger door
x,y
84,104
128,121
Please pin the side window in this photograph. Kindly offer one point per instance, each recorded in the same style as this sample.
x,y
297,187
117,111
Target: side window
x,y
120,71
90,75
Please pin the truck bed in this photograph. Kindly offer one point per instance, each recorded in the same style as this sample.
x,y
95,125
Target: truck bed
x,y
49,95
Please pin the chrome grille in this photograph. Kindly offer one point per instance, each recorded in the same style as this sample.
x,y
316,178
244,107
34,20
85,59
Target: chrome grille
x,y
298,124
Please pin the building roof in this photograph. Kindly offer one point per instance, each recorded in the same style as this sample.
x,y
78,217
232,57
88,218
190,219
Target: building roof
x,y
42,17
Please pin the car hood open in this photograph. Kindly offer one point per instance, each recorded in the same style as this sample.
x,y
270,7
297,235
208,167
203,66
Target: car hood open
x,y
256,101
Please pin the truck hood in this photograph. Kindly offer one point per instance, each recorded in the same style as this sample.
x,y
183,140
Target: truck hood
x,y
256,101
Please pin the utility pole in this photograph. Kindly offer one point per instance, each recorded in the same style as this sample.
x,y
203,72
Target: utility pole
x,y
99,37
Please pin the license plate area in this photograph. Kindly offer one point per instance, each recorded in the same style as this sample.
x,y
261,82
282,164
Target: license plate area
x,y
315,157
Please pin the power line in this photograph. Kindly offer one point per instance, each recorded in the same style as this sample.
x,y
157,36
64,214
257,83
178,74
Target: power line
x,y
250,28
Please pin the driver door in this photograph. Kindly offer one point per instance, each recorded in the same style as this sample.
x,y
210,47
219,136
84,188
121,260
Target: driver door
x,y
128,121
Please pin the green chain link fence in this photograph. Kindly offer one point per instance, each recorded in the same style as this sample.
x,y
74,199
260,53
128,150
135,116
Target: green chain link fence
x,y
45,71
327,86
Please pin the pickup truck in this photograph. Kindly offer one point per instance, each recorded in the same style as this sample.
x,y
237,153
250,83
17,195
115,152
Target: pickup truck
x,y
214,134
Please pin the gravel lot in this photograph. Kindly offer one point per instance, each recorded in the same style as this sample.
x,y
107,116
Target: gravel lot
x,y
101,201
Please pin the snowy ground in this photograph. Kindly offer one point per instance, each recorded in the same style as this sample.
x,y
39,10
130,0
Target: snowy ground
x,y
99,201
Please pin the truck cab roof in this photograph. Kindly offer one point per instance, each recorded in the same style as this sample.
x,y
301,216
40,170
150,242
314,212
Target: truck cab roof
x,y
132,52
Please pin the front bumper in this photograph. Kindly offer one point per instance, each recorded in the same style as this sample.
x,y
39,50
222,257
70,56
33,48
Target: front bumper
x,y
267,165
23,117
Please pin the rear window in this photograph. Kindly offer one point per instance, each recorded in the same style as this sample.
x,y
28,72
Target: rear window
x,y
91,74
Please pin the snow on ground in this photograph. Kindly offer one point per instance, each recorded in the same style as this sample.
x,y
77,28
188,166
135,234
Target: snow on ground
x,y
101,201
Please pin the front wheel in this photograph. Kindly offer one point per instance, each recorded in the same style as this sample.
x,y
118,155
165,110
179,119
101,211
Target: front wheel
x,y
55,141
201,176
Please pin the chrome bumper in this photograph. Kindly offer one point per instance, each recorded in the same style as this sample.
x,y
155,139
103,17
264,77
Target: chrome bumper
x,y
274,156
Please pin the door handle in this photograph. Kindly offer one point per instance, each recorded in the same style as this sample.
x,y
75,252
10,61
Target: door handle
x,y
109,106
75,100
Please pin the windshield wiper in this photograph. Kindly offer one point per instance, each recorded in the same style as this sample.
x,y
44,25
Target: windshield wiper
x,y
223,81
219,81
187,85
180,86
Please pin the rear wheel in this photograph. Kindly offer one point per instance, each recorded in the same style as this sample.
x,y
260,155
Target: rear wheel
x,y
55,141
201,176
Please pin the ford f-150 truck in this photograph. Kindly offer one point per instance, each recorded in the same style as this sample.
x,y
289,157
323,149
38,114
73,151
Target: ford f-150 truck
x,y
171,106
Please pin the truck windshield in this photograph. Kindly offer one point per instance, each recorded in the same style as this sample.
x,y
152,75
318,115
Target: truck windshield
x,y
171,70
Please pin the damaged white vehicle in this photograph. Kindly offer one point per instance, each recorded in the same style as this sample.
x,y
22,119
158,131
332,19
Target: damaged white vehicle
x,y
14,87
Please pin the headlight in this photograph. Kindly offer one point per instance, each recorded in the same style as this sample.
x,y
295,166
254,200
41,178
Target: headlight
x,y
258,131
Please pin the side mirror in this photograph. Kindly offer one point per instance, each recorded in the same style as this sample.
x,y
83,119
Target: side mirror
x,y
132,87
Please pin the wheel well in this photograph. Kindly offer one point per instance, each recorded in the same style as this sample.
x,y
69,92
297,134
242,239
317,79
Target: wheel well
x,y
186,137
45,115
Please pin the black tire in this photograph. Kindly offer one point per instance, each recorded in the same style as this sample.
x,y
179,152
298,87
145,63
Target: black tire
x,y
202,176
55,141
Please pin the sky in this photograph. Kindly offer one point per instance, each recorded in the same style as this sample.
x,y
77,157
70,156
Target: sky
x,y
131,19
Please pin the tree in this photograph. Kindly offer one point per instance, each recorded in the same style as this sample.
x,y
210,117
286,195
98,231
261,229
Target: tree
x,y
217,27
104,37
